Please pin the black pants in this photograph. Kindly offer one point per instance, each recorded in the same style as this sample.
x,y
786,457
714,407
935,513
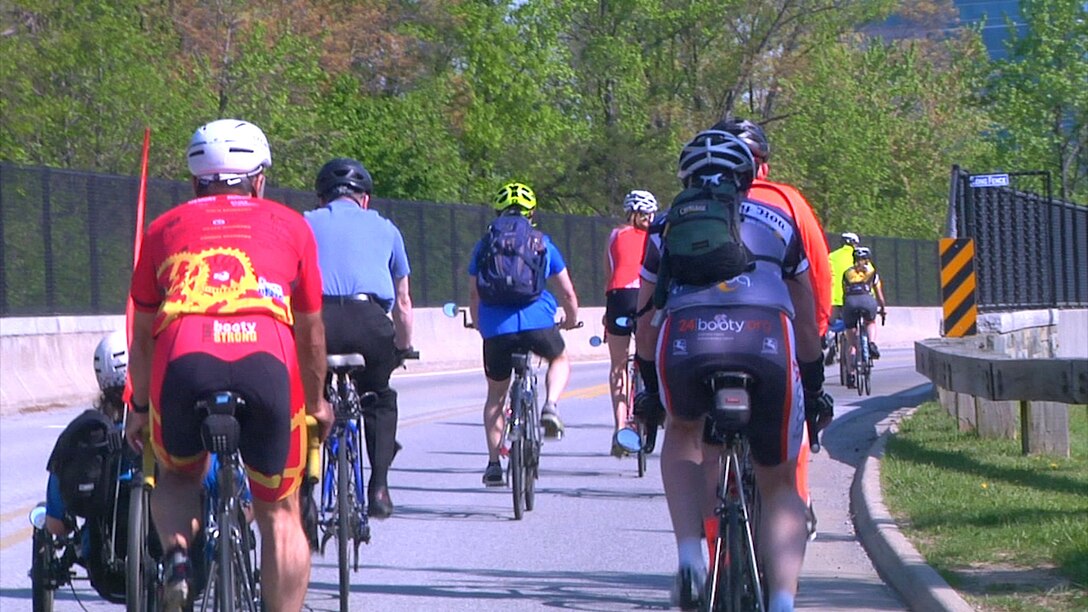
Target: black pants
x,y
364,328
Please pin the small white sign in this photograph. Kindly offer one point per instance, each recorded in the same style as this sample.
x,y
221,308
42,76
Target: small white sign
x,y
990,180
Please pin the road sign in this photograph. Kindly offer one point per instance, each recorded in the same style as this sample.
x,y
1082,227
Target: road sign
x,y
989,180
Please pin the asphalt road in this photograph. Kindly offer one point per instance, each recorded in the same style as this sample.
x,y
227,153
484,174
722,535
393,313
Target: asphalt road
x,y
599,538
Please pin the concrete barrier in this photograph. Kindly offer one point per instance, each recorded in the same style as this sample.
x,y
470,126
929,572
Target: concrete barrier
x,y
47,361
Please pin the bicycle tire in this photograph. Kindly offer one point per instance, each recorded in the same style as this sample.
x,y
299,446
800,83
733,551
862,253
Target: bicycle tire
x,y
40,564
224,592
140,587
735,594
634,387
532,449
844,360
344,512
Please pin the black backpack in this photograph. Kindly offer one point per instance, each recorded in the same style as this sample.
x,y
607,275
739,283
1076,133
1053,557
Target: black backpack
x,y
700,240
85,460
510,264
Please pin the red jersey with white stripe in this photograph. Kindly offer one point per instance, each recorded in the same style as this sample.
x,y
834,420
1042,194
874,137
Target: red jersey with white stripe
x,y
625,248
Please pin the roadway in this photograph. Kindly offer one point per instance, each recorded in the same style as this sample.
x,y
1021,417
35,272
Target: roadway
x,y
599,538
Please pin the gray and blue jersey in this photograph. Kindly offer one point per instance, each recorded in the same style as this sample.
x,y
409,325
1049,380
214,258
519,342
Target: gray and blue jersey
x,y
771,235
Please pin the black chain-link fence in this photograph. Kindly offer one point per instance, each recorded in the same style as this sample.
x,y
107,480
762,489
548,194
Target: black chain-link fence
x,y
66,241
1031,251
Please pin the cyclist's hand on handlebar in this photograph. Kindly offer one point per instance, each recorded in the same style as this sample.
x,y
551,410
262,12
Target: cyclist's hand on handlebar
x,y
883,313
568,324
401,354
324,416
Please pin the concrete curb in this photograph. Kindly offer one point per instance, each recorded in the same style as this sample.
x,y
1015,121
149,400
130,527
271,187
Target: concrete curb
x,y
893,556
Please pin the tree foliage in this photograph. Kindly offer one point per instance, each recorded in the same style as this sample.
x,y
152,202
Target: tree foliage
x,y
584,99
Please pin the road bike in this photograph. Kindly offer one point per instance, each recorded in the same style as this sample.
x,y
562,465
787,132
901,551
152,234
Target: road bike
x,y
863,359
523,434
638,436
233,580
734,581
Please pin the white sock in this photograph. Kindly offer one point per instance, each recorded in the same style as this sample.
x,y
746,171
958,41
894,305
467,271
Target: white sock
x,y
690,552
781,601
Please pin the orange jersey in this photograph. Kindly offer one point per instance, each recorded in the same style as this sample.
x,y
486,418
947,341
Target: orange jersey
x,y
625,248
227,255
812,239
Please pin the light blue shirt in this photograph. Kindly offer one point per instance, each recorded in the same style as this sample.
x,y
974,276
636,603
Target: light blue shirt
x,y
496,320
358,250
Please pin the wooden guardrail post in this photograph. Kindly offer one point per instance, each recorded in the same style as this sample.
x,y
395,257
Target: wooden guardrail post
x,y
1044,428
997,418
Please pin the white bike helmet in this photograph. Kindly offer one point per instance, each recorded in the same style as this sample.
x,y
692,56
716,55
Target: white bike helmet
x,y
640,201
850,238
713,155
111,361
228,149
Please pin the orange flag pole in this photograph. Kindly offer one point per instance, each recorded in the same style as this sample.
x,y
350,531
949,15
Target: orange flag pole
x,y
141,204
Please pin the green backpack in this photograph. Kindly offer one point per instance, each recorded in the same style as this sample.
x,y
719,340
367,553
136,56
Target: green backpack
x,y
700,240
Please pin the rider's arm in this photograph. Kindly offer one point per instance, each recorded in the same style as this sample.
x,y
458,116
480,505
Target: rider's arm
x,y
402,314
878,287
567,298
804,320
310,346
139,356
474,302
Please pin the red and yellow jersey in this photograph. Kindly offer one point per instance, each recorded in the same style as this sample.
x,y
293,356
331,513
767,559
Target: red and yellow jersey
x,y
860,279
625,248
226,255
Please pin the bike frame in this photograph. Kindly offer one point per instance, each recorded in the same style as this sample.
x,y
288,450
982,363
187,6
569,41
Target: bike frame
x,y
345,432
523,434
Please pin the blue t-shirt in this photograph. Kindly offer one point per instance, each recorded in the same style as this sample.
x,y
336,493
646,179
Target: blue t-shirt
x,y
496,320
358,250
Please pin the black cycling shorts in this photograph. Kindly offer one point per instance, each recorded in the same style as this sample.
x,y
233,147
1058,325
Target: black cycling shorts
x,y
696,342
619,303
855,307
498,364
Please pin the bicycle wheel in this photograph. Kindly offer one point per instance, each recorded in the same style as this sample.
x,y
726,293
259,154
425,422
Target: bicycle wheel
x,y
517,476
41,565
735,564
343,515
140,571
224,590
844,360
634,387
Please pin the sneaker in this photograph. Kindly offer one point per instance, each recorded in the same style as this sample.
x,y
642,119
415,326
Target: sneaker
x,y
553,425
175,590
687,591
874,352
617,451
810,522
493,475
850,382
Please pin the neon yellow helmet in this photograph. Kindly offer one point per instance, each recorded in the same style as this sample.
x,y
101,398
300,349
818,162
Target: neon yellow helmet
x,y
515,194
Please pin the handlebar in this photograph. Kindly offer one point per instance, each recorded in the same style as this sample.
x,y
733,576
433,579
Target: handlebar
x,y
313,450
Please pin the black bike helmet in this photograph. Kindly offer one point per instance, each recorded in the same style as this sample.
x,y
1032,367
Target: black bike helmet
x,y
340,176
752,135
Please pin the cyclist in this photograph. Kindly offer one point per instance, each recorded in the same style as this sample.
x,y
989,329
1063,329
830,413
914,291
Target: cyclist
x,y
623,259
814,242
506,328
757,319
364,277
863,296
839,260
227,294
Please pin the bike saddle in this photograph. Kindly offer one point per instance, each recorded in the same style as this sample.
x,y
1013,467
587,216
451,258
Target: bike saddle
x,y
342,364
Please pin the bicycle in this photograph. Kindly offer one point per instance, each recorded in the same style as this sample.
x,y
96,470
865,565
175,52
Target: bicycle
x,y
863,360
142,570
52,560
734,581
637,437
735,578
233,580
524,433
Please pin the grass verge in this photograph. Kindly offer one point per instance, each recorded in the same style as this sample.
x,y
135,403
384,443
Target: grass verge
x,y
1008,532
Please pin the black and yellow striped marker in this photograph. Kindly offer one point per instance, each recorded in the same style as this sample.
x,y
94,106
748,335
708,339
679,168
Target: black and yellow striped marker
x,y
958,287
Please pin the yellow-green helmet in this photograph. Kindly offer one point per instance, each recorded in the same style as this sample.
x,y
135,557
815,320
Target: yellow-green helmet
x,y
515,194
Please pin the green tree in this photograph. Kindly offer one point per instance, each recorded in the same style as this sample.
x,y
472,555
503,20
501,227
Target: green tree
x,y
1040,95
